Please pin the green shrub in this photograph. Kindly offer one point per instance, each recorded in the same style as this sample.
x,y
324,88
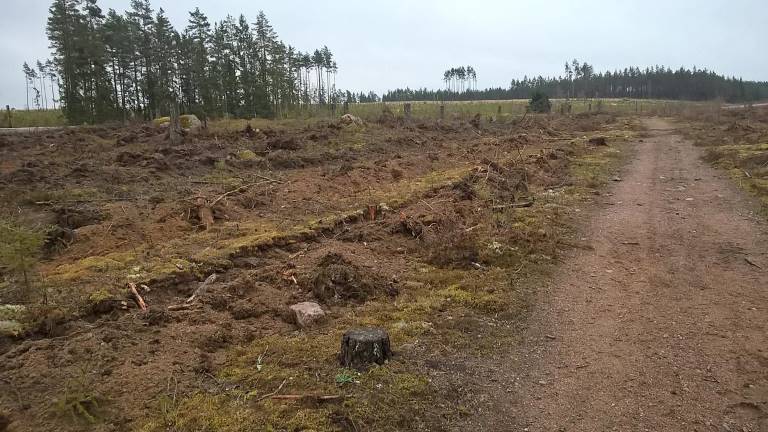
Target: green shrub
x,y
539,103
20,248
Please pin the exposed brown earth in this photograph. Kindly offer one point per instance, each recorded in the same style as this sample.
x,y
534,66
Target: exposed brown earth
x,y
653,317
461,214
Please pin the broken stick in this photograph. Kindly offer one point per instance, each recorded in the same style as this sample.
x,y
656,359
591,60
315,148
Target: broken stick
x,y
179,307
201,289
323,398
238,189
188,303
139,300
269,395
269,178
514,205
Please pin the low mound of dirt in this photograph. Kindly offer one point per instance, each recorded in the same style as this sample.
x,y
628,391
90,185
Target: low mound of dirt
x,y
74,217
284,143
338,280
451,246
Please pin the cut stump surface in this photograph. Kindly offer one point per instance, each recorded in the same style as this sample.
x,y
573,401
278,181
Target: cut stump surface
x,y
364,346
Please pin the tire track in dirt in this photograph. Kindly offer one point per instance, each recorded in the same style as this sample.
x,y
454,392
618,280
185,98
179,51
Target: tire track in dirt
x,y
663,326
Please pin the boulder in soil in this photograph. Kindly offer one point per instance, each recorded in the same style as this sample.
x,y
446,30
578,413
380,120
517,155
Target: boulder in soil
x,y
349,119
363,347
307,314
189,122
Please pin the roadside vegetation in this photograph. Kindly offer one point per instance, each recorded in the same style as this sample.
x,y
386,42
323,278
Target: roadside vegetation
x,y
736,141
32,118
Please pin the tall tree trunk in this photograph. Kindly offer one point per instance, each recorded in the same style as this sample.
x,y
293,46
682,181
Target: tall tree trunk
x,y
53,97
45,92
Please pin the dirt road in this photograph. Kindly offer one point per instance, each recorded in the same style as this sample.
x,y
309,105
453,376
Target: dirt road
x,y
661,325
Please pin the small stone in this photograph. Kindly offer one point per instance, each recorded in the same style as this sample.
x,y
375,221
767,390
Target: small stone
x,y
349,119
307,314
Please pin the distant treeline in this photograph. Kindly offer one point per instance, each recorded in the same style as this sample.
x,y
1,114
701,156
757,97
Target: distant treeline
x,y
111,65
581,81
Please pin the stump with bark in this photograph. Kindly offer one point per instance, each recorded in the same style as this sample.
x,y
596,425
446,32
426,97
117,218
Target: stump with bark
x,y
205,211
364,346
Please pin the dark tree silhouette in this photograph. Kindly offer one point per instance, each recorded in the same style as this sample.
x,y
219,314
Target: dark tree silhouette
x,y
112,66
581,81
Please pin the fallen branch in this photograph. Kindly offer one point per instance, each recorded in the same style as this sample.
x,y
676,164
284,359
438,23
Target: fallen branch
x,y
83,201
269,178
201,288
750,262
189,303
139,300
207,182
238,189
179,307
301,252
631,243
269,395
323,398
514,205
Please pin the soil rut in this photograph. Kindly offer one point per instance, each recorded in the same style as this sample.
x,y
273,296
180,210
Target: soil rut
x,y
660,325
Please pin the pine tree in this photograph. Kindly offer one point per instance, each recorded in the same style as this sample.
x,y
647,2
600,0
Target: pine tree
x,y
114,65
29,74
198,32
50,68
65,25
165,56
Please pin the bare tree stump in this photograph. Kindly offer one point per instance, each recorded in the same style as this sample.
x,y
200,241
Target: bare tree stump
x,y
372,212
442,112
363,347
205,212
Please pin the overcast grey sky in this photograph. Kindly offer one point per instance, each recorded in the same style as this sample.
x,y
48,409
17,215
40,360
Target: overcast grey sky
x,y
381,44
